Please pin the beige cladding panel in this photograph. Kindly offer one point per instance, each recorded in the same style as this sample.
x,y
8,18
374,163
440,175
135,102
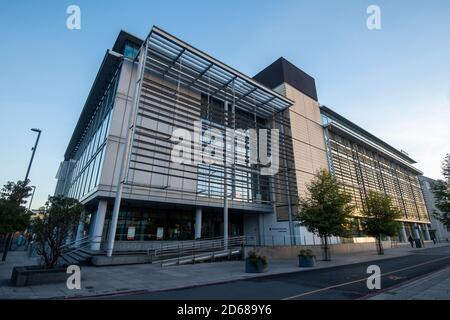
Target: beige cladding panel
x,y
299,105
319,159
316,137
308,137
299,127
312,109
303,179
302,156
303,105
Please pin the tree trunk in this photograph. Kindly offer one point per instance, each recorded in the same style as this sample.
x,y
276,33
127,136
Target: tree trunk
x,y
380,249
325,249
7,245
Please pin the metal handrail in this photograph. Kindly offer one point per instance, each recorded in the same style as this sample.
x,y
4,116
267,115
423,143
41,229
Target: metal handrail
x,y
184,243
72,243
199,246
80,243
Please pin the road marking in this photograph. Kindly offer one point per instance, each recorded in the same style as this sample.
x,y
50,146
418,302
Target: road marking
x,y
360,280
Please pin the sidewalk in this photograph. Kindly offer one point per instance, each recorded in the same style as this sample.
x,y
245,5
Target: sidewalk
x,y
148,277
435,286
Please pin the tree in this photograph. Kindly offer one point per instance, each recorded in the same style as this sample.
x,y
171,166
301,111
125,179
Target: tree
x,y
441,190
380,218
13,216
326,210
59,218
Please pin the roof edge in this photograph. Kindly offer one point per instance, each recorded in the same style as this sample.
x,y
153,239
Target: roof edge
x,y
109,54
368,134
226,67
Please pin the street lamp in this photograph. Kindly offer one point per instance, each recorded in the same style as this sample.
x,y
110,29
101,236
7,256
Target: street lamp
x,y
32,196
34,150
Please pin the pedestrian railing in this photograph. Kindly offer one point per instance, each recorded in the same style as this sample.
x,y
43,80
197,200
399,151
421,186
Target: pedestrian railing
x,y
198,249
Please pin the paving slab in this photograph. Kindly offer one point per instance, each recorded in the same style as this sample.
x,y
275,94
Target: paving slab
x,y
435,286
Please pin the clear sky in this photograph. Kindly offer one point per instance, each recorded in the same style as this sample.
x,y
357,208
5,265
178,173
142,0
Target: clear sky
x,y
394,82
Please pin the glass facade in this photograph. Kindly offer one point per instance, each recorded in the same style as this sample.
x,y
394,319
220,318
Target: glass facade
x,y
241,177
91,149
362,169
138,223
130,50
244,183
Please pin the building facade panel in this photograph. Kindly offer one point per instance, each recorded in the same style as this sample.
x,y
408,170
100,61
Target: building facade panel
x,y
363,165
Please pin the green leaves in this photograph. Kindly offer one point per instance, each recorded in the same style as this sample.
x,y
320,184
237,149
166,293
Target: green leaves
x,y
380,216
327,210
441,190
60,217
13,216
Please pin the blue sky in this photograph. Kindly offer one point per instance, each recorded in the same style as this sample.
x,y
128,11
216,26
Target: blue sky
x,y
395,82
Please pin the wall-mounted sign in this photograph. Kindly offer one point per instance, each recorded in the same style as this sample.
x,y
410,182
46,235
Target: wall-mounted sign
x,y
278,229
131,233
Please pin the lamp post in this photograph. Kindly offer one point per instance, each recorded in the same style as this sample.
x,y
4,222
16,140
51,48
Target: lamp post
x,y
34,151
10,236
32,196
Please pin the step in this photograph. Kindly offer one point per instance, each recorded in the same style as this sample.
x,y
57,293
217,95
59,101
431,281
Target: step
x,y
199,257
82,255
68,260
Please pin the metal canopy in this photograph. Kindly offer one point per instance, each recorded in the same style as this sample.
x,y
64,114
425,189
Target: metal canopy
x,y
171,58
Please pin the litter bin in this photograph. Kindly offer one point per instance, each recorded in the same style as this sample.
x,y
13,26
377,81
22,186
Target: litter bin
x,y
418,243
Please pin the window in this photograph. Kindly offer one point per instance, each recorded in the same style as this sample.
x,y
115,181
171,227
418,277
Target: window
x,y
130,51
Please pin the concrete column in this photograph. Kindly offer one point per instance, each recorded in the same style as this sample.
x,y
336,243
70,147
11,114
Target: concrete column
x,y
99,222
225,187
426,232
91,224
403,233
80,230
261,235
198,223
416,231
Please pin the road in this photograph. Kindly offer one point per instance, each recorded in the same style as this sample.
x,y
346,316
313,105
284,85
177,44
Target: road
x,y
344,282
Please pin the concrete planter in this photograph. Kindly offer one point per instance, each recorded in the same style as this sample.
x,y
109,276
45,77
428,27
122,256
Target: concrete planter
x,y
306,261
252,267
34,275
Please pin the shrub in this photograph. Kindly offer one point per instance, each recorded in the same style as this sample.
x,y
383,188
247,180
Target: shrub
x,y
306,253
255,257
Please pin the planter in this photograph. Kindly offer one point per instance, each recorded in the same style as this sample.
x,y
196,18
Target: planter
x,y
252,267
33,275
306,261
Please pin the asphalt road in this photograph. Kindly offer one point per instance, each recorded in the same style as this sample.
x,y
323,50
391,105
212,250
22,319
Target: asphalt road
x,y
344,282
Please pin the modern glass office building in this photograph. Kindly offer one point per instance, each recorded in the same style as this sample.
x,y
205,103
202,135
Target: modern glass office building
x,y
159,98
364,163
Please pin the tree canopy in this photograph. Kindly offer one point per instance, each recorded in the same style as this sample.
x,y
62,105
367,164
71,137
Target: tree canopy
x,y
13,215
59,218
441,190
380,217
326,210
